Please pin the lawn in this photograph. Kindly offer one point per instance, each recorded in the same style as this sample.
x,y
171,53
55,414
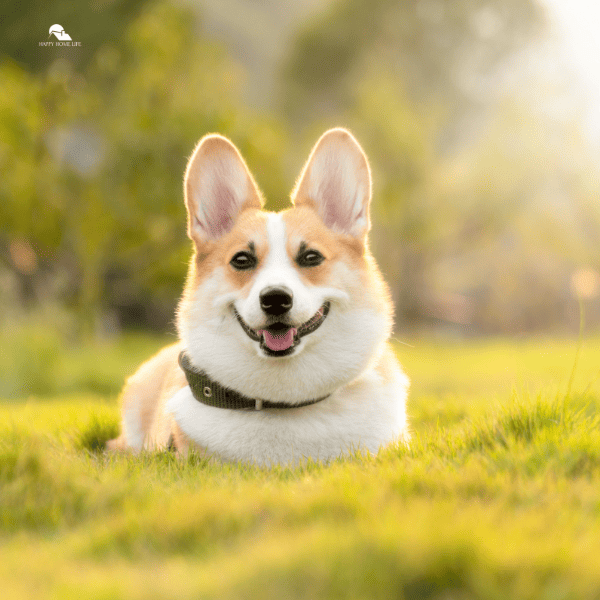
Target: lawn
x,y
497,497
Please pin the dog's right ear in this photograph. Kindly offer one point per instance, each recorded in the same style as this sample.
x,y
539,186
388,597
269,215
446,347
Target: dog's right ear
x,y
336,182
218,187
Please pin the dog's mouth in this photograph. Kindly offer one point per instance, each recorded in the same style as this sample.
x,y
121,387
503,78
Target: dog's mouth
x,y
280,339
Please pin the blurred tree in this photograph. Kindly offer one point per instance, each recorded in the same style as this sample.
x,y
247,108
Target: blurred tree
x,y
484,204
26,23
446,51
398,139
404,74
516,214
91,164
486,233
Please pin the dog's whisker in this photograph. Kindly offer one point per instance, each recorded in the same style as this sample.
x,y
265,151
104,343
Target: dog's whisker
x,y
401,342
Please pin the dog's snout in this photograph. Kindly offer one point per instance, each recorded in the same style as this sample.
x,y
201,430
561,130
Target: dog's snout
x,y
276,300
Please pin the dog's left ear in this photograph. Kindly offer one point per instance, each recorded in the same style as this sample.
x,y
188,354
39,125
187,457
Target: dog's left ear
x,y
336,182
218,186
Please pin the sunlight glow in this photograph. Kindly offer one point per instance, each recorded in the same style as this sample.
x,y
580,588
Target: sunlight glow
x,y
576,24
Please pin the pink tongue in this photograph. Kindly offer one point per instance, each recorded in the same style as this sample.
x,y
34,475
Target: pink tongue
x,y
279,342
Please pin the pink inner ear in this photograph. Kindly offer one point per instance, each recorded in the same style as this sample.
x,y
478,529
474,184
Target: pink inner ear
x,y
336,209
221,211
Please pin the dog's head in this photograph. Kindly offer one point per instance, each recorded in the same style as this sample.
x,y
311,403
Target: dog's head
x,y
282,306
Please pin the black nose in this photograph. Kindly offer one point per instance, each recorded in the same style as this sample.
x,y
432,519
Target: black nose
x,y
276,300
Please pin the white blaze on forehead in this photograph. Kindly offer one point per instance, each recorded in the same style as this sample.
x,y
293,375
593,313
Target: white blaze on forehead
x,y
278,270
276,236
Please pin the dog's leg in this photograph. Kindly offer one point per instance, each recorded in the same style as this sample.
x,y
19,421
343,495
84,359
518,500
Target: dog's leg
x,y
141,402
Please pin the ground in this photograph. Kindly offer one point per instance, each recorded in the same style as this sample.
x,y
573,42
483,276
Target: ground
x,y
497,497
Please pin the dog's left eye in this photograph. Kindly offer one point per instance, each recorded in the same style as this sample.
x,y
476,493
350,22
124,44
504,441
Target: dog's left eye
x,y
242,261
310,258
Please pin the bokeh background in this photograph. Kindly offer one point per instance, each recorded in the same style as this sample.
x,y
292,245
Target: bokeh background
x,y
481,119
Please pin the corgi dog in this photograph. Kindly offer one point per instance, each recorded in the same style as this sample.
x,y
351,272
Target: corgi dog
x,y
283,325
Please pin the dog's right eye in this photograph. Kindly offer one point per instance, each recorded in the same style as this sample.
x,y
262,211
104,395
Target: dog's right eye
x,y
243,261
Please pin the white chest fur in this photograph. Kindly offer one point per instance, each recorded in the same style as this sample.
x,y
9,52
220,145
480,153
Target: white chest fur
x,y
363,415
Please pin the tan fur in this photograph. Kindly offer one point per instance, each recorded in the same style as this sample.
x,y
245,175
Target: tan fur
x,y
250,227
305,226
348,265
160,377
146,391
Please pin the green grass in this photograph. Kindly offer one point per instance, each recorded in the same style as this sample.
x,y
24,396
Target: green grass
x,y
497,497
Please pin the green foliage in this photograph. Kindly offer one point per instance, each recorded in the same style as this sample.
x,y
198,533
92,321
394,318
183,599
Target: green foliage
x,y
484,212
96,433
91,164
37,360
496,496
29,360
426,43
479,219
26,24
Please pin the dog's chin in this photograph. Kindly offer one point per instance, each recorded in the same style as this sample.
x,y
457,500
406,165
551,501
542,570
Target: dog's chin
x,y
279,339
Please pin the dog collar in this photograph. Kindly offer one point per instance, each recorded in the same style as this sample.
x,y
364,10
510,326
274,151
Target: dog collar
x,y
211,393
